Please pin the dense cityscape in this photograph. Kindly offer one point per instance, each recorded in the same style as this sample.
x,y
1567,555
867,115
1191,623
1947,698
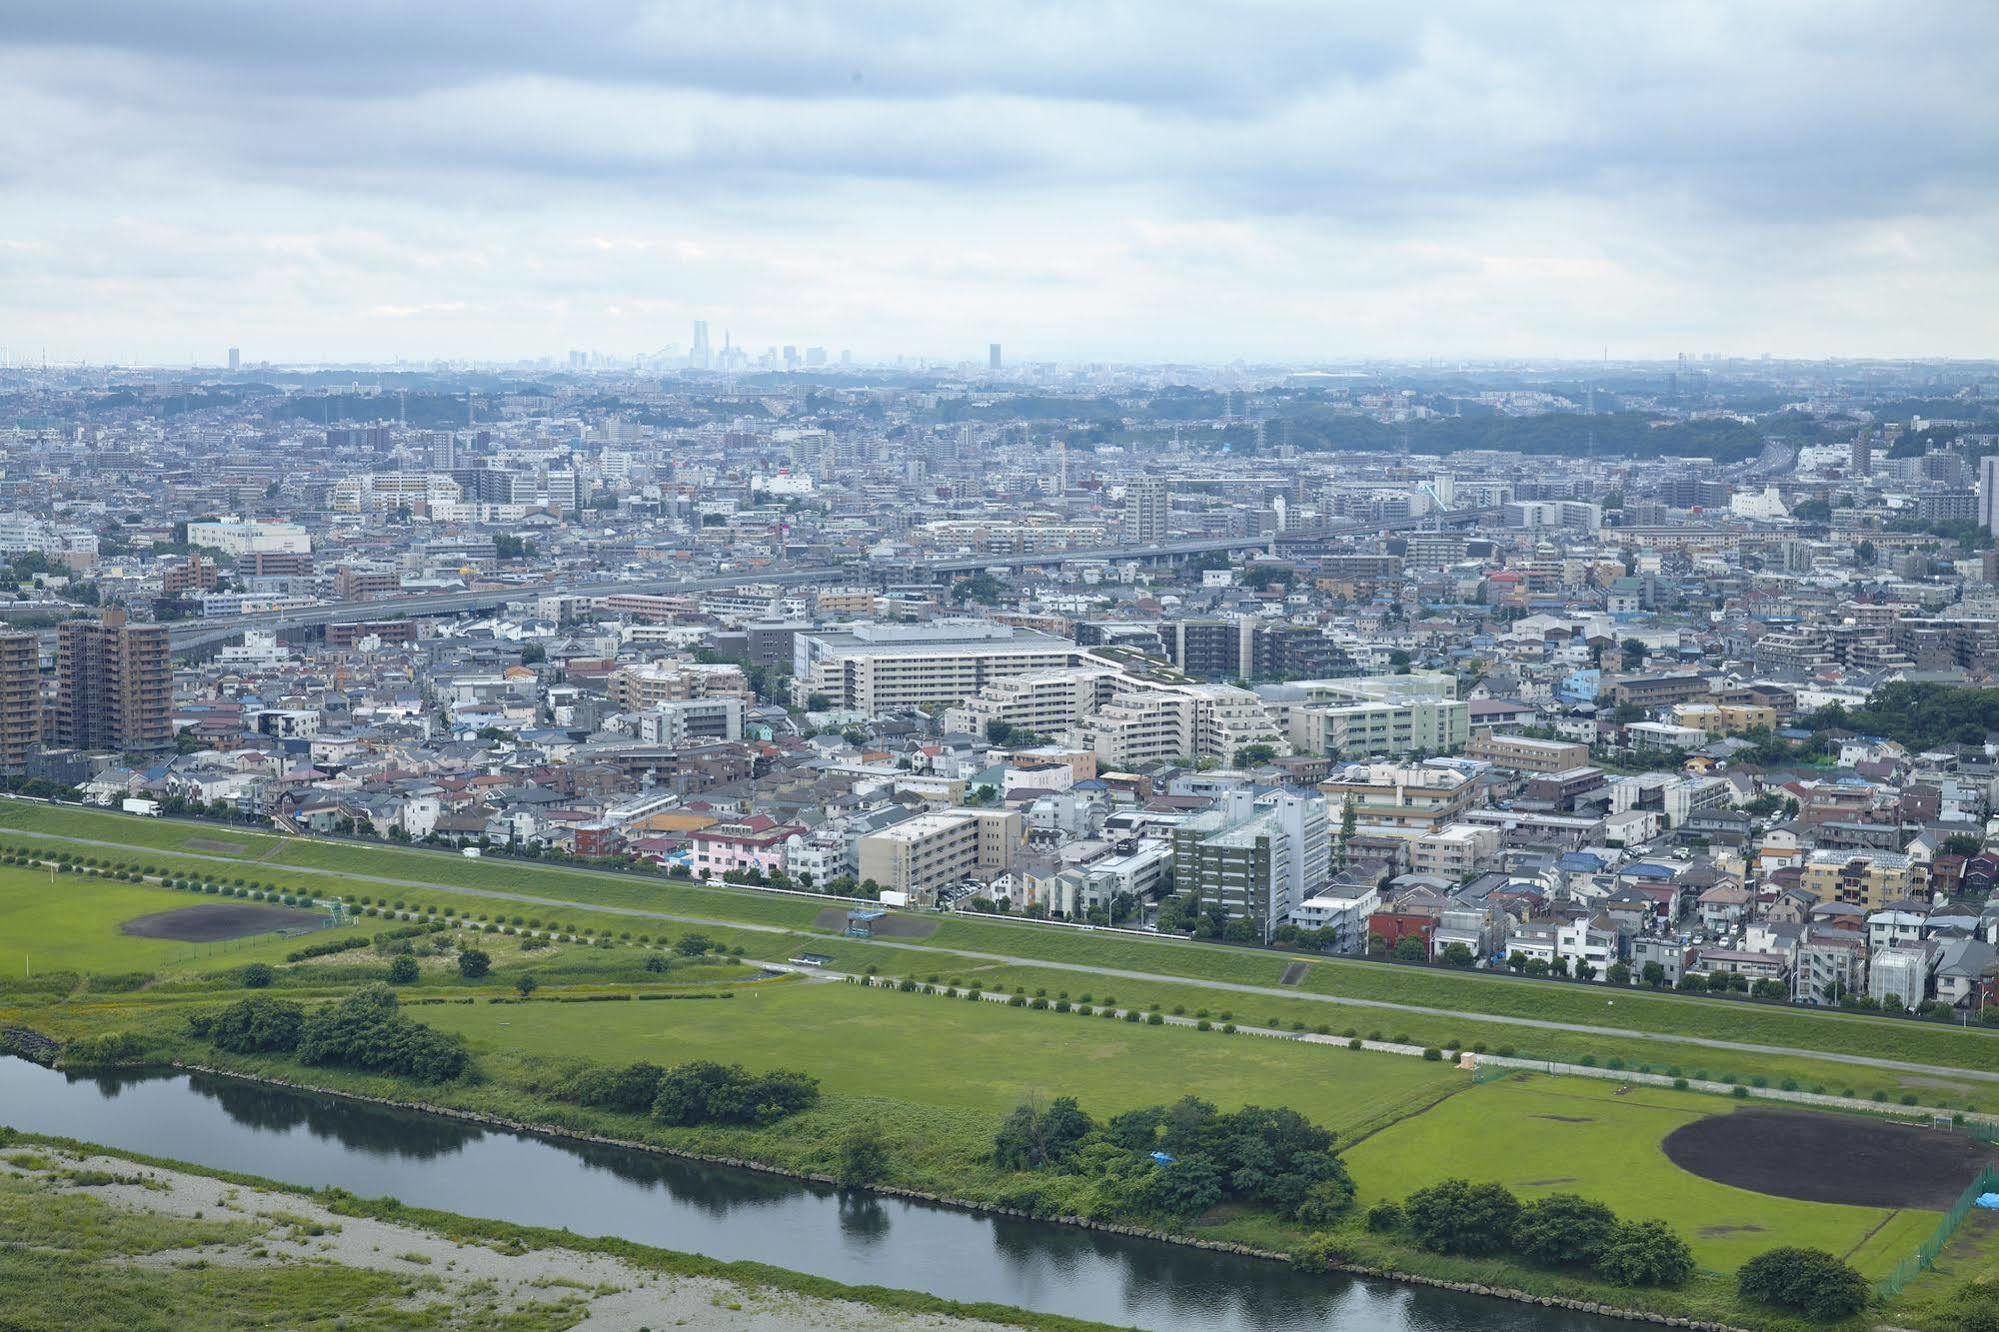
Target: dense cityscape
x,y
777,666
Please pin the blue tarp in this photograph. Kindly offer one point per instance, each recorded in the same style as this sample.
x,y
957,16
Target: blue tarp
x,y
1162,1158
1989,1201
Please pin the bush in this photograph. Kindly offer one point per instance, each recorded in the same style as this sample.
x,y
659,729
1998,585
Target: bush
x,y
1354,1044
403,971
630,1088
1563,1230
1433,1055
863,1157
1385,1216
1455,1216
1808,1281
1645,1253
259,1025
473,964
257,976
705,1092
366,1031
1320,1254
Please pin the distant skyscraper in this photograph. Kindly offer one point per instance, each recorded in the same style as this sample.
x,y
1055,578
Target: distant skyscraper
x,y
790,357
114,685
815,356
1861,463
235,358
1988,493
699,356
1146,506
993,356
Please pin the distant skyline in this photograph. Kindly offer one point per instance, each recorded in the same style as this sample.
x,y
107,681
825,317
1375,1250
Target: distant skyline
x,y
1128,182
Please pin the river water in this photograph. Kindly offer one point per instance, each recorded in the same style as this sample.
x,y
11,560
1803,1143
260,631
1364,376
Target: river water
x,y
433,1161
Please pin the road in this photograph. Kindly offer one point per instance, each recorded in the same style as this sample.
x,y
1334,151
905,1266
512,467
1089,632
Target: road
x,y
1079,968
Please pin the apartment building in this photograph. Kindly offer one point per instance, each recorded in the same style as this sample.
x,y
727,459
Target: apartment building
x,y
1394,795
1522,753
1041,701
920,855
680,721
1456,851
1372,715
643,687
1725,718
1258,857
1864,879
877,668
1171,722
114,685
20,701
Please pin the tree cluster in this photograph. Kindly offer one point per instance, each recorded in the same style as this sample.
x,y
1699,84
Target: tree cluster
x,y
1182,1159
1562,1230
702,1092
363,1031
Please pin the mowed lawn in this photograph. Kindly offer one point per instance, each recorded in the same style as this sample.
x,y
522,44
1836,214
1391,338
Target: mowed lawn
x,y
1572,1135
72,925
929,1050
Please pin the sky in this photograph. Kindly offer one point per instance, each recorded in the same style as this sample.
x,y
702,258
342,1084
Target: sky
x,y
1150,181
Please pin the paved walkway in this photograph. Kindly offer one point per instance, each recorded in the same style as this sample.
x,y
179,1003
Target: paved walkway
x,y
1080,968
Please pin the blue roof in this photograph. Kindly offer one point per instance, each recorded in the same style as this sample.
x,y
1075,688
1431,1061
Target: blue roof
x,y
1648,870
1579,860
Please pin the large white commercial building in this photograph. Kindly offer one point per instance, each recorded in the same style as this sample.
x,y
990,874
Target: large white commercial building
x,y
239,537
1368,715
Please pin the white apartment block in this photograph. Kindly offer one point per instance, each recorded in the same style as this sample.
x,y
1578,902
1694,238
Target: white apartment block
x,y
1383,714
920,855
875,668
1043,701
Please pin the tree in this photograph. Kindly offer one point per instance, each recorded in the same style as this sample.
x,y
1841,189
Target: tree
x,y
997,731
1645,1253
525,984
1865,554
1563,1230
1633,652
257,976
863,1156
1455,1216
1410,948
1399,660
654,964
473,963
256,1025
403,970
1034,1135
1253,756
693,945
1457,955
1653,974
1810,1281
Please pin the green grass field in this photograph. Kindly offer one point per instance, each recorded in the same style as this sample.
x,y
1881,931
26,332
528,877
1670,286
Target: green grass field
x,y
1565,1135
949,1052
72,925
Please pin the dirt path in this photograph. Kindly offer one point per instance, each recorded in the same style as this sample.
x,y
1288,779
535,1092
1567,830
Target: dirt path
x,y
594,1291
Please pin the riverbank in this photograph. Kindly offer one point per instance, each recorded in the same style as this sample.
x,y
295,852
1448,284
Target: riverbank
x,y
100,1215
1494,1290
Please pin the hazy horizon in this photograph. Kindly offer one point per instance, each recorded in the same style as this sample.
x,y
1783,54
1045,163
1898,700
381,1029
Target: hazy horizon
x,y
1114,182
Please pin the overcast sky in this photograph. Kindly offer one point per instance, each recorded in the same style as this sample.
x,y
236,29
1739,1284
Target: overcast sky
x,y
1143,181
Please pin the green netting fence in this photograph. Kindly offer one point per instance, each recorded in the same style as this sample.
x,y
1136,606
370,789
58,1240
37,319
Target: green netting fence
x,y
1926,1253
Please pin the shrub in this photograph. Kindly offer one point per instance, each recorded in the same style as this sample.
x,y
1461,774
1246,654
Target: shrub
x,y
1563,1230
705,1092
1455,1216
366,1031
403,970
473,964
630,1088
1433,1055
1680,1083
259,1025
1354,1044
1384,1216
654,964
256,976
1320,1254
1645,1253
1156,1020
1809,1281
